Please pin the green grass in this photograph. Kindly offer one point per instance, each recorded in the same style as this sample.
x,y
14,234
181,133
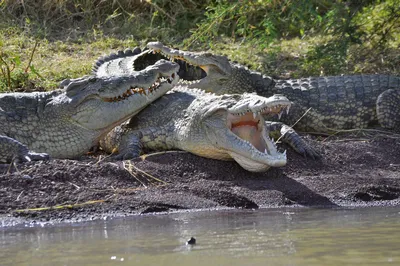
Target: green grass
x,y
318,38
54,61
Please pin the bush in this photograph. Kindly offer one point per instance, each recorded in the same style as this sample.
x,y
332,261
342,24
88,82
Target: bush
x,y
343,36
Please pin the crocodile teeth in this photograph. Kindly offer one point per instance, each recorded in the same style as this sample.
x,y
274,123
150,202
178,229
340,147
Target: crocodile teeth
x,y
135,90
280,115
287,109
254,115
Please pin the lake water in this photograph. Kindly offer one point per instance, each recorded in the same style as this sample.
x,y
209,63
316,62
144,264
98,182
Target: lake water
x,y
361,236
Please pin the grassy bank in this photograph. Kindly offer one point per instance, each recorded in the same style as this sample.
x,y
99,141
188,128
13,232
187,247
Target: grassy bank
x,y
43,41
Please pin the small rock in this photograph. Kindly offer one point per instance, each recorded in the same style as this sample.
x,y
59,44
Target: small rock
x,y
191,241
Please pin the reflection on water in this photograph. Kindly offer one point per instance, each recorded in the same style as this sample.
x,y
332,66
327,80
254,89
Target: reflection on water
x,y
369,236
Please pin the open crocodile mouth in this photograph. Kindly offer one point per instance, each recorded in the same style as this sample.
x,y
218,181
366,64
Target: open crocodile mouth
x,y
160,81
188,72
249,127
257,151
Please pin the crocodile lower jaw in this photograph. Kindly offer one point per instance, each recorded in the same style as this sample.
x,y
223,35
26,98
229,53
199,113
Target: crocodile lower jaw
x,y
255,166
253,149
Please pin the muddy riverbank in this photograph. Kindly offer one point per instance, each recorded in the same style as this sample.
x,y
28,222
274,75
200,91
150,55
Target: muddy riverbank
x,y
353,171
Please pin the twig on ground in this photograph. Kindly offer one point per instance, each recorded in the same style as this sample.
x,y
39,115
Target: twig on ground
x,y
78,198
102,158
346,140
109,197
367,132
58,207
19,195
118,190
130,171
77,187
12,163
144,156
131,166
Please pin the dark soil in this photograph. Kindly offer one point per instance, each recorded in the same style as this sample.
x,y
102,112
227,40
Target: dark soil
x,y
352,172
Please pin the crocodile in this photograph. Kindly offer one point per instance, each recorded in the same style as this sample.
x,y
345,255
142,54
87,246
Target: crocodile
x,y
222,127
67,122
320,104
191,76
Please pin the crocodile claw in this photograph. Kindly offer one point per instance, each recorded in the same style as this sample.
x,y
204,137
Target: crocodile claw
x,y
309,152
124,155
15,150
33,156
303,148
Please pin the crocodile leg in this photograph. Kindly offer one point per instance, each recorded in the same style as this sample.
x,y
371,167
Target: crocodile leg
x,y
388,109
130,146
126,143
289,135
118,142
11,149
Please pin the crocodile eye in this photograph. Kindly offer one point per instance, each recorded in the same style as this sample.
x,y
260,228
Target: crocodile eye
x,y
221,81
237,96
231,104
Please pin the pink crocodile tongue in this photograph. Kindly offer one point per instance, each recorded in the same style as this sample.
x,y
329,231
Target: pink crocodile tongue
x,y
249,133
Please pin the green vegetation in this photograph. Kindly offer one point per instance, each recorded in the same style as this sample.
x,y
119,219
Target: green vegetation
x,y
45,41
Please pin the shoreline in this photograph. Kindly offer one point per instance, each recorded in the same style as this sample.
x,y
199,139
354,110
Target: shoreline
x,y
351,173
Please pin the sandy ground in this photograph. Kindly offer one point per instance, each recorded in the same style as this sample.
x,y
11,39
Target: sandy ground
x,y
353,171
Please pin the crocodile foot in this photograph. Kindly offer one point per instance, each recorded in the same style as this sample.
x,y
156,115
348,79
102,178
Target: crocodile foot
x,y
289,136
11,149
34,156
123,143
307,151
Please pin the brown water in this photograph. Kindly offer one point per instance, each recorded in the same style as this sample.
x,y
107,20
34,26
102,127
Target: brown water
x,y
363,236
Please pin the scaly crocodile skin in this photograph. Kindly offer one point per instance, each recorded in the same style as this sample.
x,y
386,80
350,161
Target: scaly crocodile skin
x,y
220,127
67,122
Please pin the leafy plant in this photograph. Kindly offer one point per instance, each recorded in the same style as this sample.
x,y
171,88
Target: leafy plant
x,y
285,38
12,73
